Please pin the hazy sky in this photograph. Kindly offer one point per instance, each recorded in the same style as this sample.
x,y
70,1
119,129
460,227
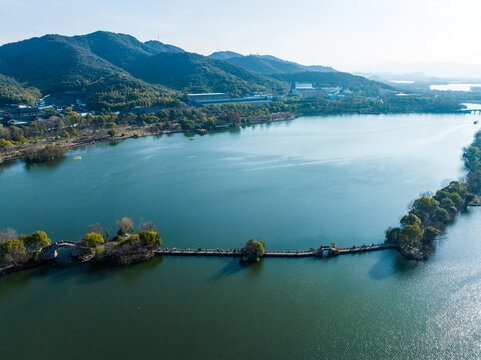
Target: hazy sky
x,y
346,34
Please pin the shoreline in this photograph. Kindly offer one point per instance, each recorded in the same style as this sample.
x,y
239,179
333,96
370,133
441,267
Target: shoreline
x,y
16,153
12,155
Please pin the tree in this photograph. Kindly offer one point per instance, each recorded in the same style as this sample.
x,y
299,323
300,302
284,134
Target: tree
x,y
186,124
95,228
36,240
474,180
391,234
12,252
449,205
410,235
430,233
425,204
5,144
126,224
92,240
410,219
47,153
147,226
8,234
252,251
441,216
150,239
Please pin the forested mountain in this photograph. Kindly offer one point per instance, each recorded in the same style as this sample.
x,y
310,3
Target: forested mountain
x,y
53,63
119,71
13,92
196,73
120,49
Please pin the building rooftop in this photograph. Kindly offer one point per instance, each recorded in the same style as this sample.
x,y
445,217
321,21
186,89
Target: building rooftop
x,y
207,94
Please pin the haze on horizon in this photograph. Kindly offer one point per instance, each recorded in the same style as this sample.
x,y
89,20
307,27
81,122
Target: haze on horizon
x,y
348,35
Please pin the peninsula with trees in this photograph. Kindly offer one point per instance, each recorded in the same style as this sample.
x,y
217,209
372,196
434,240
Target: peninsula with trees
x,y
431,213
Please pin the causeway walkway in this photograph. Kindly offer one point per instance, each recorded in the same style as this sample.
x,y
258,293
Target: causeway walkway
x,y
319,252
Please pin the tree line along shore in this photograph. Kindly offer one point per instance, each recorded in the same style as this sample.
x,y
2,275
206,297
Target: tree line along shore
x,y
69,129
429,215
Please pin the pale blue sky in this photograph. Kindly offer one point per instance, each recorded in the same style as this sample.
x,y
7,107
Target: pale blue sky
x,y
346,34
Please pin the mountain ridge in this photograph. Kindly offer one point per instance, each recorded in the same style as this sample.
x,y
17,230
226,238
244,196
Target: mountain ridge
x,y
55,63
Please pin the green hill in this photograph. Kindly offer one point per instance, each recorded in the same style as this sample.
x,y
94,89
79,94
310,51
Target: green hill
x,y
53,63
56,63
13,92
121,49
196,73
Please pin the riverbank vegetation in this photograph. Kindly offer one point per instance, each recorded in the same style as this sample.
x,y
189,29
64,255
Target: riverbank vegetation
x,y
430,214
44,153
175,116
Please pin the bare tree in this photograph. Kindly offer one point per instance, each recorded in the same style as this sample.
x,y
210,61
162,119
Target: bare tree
x,y
427,194
95,228
147,226
8,234
125,224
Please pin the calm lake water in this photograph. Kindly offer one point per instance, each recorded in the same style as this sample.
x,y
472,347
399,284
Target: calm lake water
x,y
293,185
455,87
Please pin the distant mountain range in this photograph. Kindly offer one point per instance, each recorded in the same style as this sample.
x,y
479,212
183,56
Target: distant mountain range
x,y
267,64
415,71
128,68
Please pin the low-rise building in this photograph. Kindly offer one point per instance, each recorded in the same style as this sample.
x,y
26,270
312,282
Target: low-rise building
x,y
305,90
206,99
208,96
21,113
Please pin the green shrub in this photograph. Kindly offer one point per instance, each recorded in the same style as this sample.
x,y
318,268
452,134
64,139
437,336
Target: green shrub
x,y
92,240
36,240
12,252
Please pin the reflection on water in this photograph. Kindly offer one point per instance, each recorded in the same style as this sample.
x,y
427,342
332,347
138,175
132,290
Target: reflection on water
x,y
45,165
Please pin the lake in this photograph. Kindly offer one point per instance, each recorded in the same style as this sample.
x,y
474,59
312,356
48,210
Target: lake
x,y
293,185
455,87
